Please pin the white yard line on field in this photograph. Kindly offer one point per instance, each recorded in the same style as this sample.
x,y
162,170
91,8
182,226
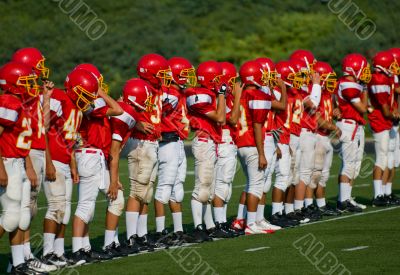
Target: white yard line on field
x,y
257,249
355,248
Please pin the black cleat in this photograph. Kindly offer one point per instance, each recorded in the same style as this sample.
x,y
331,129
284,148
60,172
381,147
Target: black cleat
x,y
132,245
52,259
115,250
282,221
347,206
200,235
393,199
328,211
233,232
25,270
162,239
179,238
146,244
219,232
297,215
79,257
94,257
380,201
312,213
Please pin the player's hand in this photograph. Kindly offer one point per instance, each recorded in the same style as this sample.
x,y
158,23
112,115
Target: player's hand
x,y
336,113
50,172
238,89
31,174
262,162
278,152
75,176
223,89
113,191
315,78
338,132
144,127
280,82
3,178
48,87
100,92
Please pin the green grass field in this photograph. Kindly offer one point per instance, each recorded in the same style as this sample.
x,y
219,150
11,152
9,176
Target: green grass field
x,y
366,243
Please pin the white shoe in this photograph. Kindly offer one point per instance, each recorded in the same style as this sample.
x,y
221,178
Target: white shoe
x,y
353,202
267,227
253,228
37,265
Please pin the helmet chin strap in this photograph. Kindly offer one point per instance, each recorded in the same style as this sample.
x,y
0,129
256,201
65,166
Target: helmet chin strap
x,y
384,70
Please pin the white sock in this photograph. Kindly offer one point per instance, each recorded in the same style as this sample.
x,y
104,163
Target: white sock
x,y
142,225
207,215
260,212
225,212
289,208
219,214
388,189
349,190
321,202
160,224
343,194
59,246
116,240
17,254
383,191
86,243
77,243
377,188
298,204
48,243
240,214
197,212
177,218
277,207
27,251
308,202
251,217
109,236
131,223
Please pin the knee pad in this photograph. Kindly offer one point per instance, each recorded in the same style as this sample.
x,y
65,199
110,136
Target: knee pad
x,y
390,160
349,169
142,192
205,179
85,210
116,207
177,193
381,160
315,179
67,213
10,221
163,193
24,218
255,190
267,184
222,190
324,178
228,198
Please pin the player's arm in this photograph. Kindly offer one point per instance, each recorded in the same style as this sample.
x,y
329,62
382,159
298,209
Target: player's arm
x,y
74,169
47,92
30,172
280,105
312,101
3,172
327,125
50,169
388,114
219,116
114,167
114,108
258,137
235,113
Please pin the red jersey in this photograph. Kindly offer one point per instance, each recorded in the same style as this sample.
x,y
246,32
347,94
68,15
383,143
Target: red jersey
x,y
16,139
255,106
233,130
326,111
38,132
199,102
394,105
308,117
297,109
64,125
122,125
269,124
95,131
174,118
379,90
282,119
153,117
349,92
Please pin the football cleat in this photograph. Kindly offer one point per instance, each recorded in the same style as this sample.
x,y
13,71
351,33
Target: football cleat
x,y
200,235
146,244
282,221
267,227
393,199
297,215
179,238
115,250
353,202
25,270
37,265
94,257
238,224
132,245
347,206
312,213
380,201
163,238
79,257
52,259
235,233
219,232
253,228
328,211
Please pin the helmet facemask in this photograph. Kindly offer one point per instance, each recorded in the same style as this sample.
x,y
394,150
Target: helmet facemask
x,y
190,76
103,85
395,68
30,84
365,74
44,71
165,77
85,99
329,81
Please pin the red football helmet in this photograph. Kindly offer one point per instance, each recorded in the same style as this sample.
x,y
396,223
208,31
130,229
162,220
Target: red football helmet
x,y
183,72
18,78
269,70
154,68
385,62
94,70
33,58
356,65
138,93
305,55
302,73
81,87
328,76
229,73
209,74
396,54
288,73
252,73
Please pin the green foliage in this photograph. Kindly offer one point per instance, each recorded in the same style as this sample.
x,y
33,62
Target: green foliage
x,y
199,30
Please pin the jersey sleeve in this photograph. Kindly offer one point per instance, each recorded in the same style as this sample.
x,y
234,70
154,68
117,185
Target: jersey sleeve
x,y
122,125
100,108
259,107
351,94
56,110
9,111
169,103
200,104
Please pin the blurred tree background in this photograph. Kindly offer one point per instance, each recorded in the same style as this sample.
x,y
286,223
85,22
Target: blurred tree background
x,y
235,31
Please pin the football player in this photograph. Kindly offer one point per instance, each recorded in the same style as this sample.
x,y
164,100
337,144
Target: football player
x,y
38,106
143,149
381,119
323,147
94,144
353,103
66,111
17,174
207,112
255,106
171,154
225,168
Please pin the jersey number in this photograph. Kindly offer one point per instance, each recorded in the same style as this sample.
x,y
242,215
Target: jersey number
x,y
297,111
21,142
157,117
71,125
242,121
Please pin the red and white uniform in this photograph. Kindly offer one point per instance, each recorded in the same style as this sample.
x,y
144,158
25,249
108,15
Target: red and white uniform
x,y
171,153
122,125
394,141
199,102
270,143
308,118
351,125
15,143
255,106
296,100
